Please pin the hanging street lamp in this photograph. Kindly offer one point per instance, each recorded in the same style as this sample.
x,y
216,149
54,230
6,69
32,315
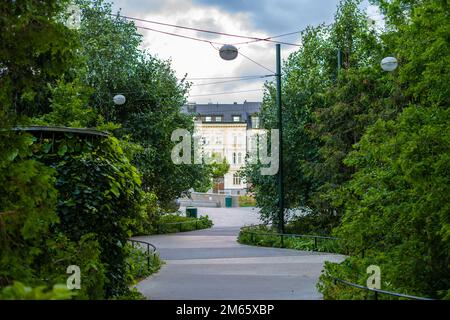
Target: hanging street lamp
x,y
228,52
119,99
389,64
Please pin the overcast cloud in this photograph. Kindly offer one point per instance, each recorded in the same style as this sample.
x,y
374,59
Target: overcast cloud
x,y
257,18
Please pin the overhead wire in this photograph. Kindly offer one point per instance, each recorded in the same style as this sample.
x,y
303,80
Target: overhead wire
x,y
227,81
230,77
255,62
253,39
211,42
221,93
179,35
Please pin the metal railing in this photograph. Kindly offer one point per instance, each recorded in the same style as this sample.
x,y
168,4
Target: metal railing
x,y
151,250
377,291
284,236
180,225
335,280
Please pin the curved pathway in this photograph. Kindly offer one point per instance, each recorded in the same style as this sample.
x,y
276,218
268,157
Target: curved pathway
x,y
210,264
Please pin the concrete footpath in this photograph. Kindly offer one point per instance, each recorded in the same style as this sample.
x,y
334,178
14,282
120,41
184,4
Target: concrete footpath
x,y
210,264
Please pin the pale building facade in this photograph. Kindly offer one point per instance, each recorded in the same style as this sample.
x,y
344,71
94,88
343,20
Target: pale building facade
x,y
230,131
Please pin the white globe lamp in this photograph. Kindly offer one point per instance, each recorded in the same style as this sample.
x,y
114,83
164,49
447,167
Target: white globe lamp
x,y
389,64
119,99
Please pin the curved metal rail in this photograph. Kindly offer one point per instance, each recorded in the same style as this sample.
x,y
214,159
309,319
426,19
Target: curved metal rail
x,y
150,252
377,291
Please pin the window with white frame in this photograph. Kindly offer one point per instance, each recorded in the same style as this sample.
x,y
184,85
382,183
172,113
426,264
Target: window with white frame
x,y
255,122
236,179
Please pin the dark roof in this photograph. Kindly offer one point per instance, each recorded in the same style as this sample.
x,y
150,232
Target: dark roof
x,y
226,110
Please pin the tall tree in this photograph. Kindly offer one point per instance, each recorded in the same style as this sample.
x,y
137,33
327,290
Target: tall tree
x,y
397,201
154,96
37,49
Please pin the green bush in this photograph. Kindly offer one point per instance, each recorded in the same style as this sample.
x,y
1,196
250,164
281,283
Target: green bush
x,y
19,291
137,262
246,201
170,223
99,193
68,200
262,236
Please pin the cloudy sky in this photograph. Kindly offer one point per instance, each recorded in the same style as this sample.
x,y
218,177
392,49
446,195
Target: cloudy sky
x,y
255,18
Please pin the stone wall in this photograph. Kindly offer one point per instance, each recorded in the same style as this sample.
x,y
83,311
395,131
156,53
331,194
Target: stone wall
x,y
211,198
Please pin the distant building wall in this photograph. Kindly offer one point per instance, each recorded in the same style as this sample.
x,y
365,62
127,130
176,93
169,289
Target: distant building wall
x,y
227,130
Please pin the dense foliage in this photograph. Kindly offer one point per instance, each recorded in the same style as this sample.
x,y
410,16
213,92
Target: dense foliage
x,y
169,223
265,236
73,198
116,64
366,151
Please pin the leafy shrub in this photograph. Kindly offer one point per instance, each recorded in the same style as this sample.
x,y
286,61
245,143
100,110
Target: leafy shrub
x,y
311,223
137,261
86,224
99,193
19,291
168,223
262,236
27,208
246,201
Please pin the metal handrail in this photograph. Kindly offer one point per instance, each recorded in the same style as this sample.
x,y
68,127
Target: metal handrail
x,y
377,291
148,246
286,235
180,223
335,280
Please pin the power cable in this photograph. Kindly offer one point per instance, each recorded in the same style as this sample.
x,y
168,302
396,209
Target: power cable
x,y
255,62
254,39
179,35
227,81
220,93
236,77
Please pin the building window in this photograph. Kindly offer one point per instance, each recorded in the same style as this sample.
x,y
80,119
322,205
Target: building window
x,y
255,122
236,118
218,119
191,108
234,157
239,158
236,179
208,119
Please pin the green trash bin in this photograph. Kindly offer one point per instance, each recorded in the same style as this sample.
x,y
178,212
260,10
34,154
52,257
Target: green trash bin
x,y
191,212
228,201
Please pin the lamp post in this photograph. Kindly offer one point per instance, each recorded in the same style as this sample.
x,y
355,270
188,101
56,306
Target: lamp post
x,y
230,52
280,150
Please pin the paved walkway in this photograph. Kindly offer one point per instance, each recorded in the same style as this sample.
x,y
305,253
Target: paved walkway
x,y
210,264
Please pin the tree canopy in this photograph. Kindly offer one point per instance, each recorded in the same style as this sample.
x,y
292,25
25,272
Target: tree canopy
x,y
366,151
